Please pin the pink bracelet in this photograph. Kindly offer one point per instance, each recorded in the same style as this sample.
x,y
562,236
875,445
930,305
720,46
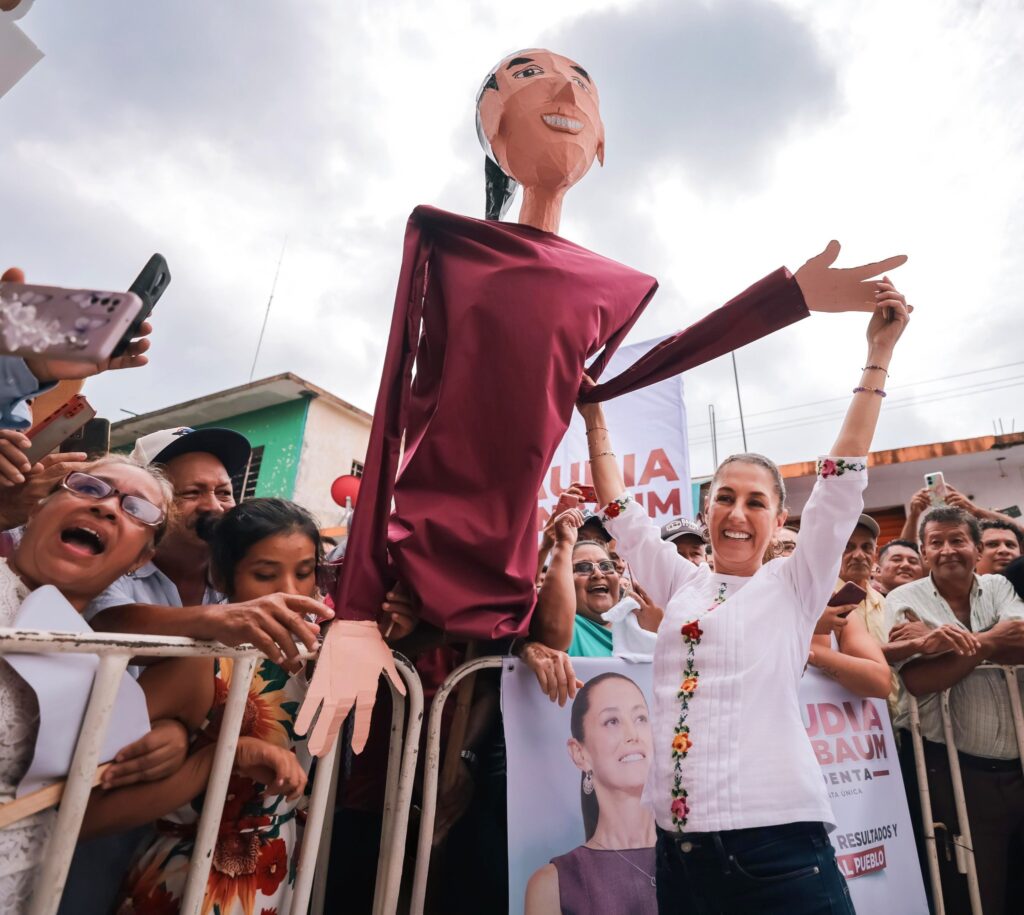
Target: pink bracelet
x,y
878,391
880,368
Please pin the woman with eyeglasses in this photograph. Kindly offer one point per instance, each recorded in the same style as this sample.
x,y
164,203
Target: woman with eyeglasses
x,y
260,547
94,527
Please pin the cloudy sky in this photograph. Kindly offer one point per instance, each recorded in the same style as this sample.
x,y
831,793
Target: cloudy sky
x,y
741,135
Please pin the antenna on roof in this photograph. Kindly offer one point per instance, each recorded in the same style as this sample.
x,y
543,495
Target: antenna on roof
x,y
266,314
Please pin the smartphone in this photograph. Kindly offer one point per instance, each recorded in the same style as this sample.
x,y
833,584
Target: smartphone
x,y
588,493
82,325
849,593
92,439
149,285
62,422
935,483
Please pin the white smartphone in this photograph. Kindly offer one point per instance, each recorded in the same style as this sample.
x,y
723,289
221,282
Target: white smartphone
x,y
935,483
82,325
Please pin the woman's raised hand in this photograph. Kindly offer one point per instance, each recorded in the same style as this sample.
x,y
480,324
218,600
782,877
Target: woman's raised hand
x,y
889,320
565,527
834,289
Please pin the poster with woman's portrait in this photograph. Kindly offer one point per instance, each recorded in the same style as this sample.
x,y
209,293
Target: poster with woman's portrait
x,y
580,839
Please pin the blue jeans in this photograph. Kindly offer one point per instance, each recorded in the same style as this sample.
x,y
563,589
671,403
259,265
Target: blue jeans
x,y
787,869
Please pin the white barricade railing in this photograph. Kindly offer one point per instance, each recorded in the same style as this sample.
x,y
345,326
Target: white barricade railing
x,y
962,843
431,772
115,650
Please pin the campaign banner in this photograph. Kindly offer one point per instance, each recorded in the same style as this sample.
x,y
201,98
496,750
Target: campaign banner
x,y
555,811
648,431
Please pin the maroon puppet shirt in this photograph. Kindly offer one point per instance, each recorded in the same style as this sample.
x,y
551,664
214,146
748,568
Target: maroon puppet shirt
x,y
500,320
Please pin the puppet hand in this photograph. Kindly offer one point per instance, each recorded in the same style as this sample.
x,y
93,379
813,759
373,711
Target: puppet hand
x,y
351,661
830,289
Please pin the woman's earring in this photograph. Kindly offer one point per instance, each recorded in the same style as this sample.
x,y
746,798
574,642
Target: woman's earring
x,y
588,782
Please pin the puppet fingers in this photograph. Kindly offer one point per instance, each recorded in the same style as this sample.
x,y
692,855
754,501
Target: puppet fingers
x,y
866,271
393,675
363,714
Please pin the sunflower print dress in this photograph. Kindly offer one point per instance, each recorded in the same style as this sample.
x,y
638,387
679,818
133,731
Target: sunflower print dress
x,y
256,854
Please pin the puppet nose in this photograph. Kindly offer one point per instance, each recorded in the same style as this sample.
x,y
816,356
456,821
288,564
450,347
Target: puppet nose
x,y
566,92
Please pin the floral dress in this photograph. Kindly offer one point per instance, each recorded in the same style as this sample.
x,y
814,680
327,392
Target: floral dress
x,y
255,857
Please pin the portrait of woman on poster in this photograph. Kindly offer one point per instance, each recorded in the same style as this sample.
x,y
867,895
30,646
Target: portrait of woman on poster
x,y
613,871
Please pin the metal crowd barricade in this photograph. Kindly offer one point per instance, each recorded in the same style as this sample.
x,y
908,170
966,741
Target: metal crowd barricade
x,y
115,650
431,772
962,842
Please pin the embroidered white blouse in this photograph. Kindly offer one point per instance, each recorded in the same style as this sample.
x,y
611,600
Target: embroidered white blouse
x,y
730,749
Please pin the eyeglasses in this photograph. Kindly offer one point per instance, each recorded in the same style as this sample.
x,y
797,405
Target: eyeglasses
x,y
135,507
586,567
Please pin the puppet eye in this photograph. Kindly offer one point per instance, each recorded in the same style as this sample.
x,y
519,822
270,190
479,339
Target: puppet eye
x,y
579,82
528,72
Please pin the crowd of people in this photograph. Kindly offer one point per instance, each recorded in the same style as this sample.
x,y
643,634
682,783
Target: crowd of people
x,y
739,600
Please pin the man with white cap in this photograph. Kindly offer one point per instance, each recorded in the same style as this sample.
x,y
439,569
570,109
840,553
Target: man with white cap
x,y
688,537
172,594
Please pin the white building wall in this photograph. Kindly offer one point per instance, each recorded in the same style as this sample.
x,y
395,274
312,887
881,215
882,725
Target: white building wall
x,y
334,438
990,483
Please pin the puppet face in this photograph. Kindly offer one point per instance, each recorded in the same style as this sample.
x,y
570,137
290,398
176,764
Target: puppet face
x,y
541,115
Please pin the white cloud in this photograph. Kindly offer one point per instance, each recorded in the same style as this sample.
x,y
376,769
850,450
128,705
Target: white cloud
x,y
213,134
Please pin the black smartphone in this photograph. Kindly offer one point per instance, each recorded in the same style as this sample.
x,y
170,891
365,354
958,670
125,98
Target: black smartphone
x,y
93,439
849,593
149,285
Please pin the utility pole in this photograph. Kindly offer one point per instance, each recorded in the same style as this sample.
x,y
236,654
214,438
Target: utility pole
x,y
714,435
266,314
739,401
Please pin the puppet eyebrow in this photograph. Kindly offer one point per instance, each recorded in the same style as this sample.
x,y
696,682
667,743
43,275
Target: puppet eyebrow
x,y
581,72
516,61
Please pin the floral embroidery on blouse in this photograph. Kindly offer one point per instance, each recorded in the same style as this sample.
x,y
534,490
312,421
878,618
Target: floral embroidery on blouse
x,y
682,742
836,468
616,508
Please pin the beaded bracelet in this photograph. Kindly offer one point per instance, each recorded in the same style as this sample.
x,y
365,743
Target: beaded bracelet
x,y
878,391
880,368
597,429
602,454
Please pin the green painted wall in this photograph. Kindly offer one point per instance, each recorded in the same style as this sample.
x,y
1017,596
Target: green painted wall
x,y
279,429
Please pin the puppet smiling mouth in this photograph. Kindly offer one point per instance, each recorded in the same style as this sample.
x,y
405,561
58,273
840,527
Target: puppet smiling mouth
x,y
559,122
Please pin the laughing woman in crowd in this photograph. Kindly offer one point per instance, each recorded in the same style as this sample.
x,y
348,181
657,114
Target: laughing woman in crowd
x,y
739,802
261,547
613,871
97,525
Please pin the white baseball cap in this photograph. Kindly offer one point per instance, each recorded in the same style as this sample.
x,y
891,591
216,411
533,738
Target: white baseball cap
x,y
230,447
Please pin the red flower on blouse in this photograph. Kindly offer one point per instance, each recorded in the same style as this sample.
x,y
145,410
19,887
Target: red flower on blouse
x,y
828,468
680,809
692,631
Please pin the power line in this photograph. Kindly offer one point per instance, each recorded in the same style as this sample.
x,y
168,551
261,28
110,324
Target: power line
x,y
998,384
909,384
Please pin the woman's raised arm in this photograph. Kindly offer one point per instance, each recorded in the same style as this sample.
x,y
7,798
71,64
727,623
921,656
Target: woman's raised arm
x,y
884,330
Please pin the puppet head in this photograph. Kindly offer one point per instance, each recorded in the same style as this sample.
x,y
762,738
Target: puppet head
x,y
539,121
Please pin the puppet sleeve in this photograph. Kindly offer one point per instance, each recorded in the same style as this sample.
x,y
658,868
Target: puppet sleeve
x,y
364,576
767,306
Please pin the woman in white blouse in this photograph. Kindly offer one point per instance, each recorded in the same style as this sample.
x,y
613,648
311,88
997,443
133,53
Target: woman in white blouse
x,y
738,798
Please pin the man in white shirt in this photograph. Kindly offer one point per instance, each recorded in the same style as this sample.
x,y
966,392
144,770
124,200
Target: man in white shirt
x,y
950,623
